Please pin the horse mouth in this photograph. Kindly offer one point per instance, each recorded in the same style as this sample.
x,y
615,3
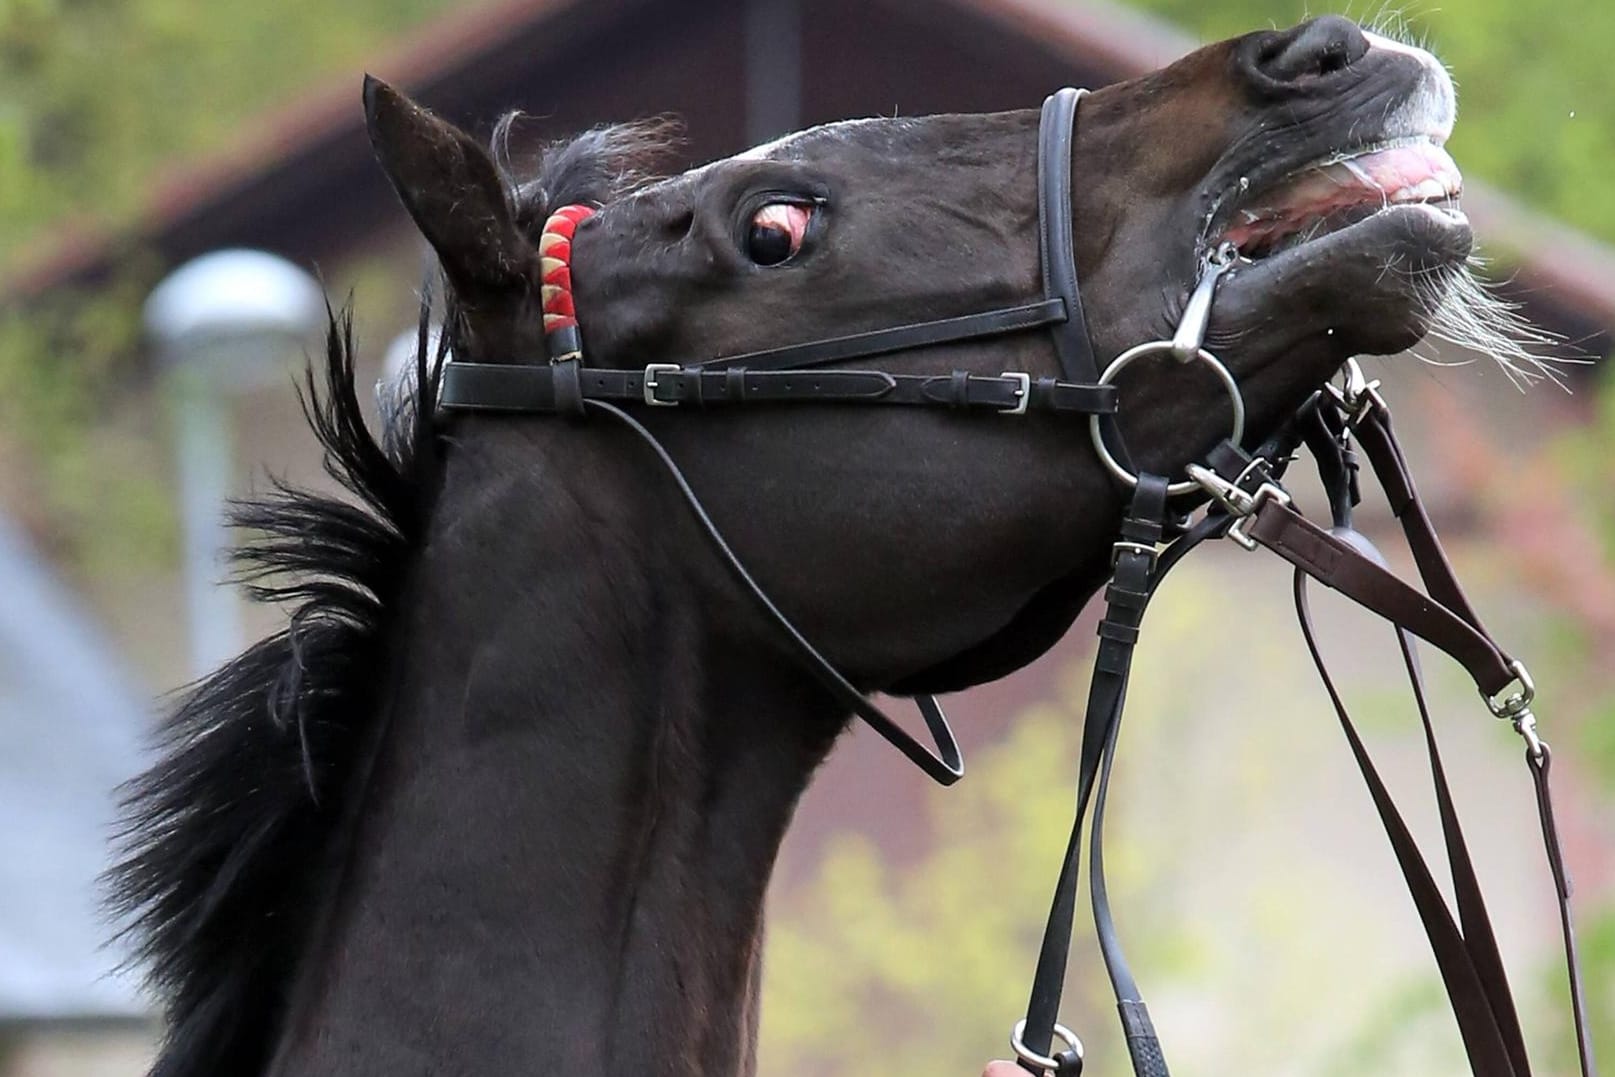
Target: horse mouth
x,y
1341,191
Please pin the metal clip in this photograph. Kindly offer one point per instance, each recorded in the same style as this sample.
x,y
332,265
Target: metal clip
x,y
1525,725
1237,500
1517,703
1191,334
1266,492
1515,708
1031,1057
1357,396
1227,494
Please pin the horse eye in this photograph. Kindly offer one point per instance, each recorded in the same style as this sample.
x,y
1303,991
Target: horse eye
x,y
776,232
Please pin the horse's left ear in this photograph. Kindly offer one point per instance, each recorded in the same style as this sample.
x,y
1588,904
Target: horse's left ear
x,y
450,186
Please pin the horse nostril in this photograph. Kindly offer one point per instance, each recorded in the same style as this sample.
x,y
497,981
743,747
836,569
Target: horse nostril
x,y
1317,47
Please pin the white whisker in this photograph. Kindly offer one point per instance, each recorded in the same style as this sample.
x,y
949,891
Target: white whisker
x,y
1466,313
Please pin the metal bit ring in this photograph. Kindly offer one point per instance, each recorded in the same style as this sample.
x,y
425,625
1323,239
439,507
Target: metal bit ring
x,y
1155,347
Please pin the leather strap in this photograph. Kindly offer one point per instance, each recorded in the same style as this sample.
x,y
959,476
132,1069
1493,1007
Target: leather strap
x,y
1467,956
1466,953
507,387
1057,133
1052,310
1125,600
1541,763
1056,245
1332,561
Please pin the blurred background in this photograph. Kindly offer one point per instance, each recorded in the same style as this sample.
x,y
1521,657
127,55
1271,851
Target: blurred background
x,y
1263,909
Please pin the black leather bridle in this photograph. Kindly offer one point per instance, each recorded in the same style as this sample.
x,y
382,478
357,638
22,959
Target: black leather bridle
x,y
1248,504
791,375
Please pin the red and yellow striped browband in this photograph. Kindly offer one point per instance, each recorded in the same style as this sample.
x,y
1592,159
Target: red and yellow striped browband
x,y
561,336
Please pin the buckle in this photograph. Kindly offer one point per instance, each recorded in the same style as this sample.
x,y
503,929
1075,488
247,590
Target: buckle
x,y
1023,395
1137,547
651,384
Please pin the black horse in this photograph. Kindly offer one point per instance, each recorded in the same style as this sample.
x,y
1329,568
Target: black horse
x,y
505,794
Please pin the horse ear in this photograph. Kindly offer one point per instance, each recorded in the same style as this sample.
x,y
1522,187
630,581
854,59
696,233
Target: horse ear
x,y
452,190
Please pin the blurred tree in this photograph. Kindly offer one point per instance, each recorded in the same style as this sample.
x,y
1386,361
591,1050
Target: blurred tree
x,y
97,96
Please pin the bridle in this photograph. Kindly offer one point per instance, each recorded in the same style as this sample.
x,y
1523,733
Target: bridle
x,y
1248,504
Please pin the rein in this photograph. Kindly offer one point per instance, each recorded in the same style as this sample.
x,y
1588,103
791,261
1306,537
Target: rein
x,y
1248,504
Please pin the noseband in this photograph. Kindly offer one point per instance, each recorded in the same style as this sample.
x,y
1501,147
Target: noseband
x,y
1248,504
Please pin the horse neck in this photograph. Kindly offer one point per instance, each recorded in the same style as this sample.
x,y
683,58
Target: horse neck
x,y
569,825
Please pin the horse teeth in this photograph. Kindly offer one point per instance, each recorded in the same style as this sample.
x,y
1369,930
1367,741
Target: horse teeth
x,y
1362,175
1432,189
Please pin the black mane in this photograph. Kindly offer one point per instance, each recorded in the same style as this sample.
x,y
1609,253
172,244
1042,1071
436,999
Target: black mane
x,y
228,842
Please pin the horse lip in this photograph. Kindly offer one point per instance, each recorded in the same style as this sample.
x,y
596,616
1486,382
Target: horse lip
x,y
1423,113
1355,254
1257,184
1338,189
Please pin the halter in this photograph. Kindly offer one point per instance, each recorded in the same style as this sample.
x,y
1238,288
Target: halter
x,y
1248,504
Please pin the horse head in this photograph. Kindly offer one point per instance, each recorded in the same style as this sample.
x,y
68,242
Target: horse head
x,y
514,777
920,551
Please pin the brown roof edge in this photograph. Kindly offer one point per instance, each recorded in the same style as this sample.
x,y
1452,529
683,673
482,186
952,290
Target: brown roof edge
x,y
424,56
1571,268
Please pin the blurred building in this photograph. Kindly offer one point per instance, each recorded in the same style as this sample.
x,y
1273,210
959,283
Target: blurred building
x,y
301,183
70,722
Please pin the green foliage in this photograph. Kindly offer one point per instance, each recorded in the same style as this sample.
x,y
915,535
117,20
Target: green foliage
x,y
97,96
94,478
1537,115
923,968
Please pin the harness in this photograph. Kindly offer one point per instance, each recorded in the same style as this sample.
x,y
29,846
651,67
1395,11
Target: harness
x,y
1248,504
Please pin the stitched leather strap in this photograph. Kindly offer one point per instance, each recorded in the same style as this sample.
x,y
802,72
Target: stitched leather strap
x,y
1125,598
503,387
1467,956
1332,561
1048,311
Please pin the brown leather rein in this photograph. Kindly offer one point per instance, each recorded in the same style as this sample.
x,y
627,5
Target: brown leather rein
x,y
1251,506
